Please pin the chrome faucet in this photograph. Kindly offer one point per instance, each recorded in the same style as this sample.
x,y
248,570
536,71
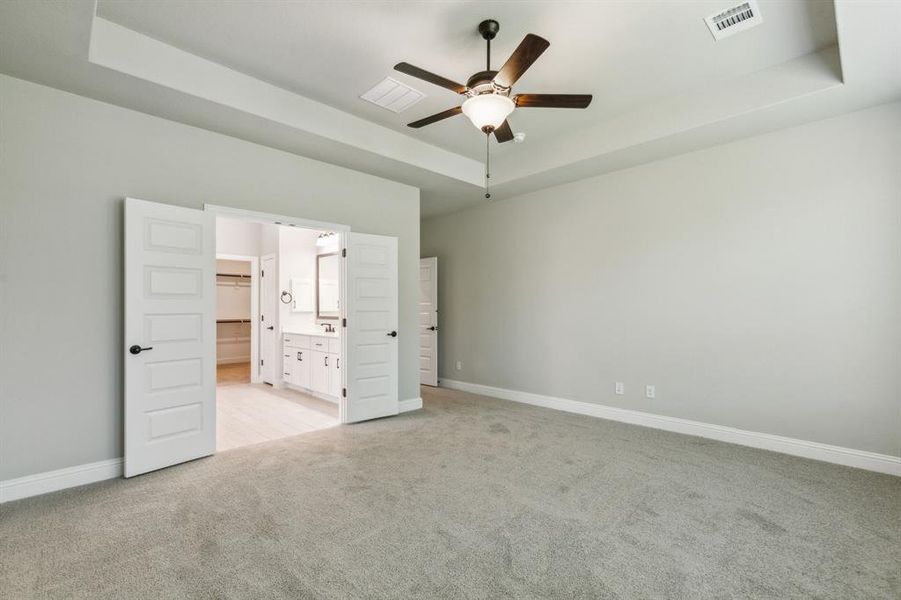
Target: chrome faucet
x,y
329,328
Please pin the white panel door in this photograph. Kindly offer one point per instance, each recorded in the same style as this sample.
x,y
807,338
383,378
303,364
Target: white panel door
x,y
371,312
170,335
268,319
428,321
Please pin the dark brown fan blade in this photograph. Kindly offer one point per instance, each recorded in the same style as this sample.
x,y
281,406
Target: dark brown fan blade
x,y
436,117
504,133
430,77
522,58
552,100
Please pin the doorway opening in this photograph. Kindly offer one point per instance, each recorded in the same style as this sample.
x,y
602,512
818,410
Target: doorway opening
x,y
278,350
170,325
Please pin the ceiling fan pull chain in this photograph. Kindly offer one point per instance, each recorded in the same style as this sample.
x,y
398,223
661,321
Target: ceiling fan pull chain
x,y
487,164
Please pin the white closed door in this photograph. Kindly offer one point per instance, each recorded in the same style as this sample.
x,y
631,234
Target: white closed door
x,y
170,335
428,321
371,378
268,319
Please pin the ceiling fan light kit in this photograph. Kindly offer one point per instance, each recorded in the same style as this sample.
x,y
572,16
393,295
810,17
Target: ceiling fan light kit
x,y
488,101
488,111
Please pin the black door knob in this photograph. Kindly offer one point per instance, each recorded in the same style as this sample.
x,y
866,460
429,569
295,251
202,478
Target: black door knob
x,y
393,334
433,328
137,349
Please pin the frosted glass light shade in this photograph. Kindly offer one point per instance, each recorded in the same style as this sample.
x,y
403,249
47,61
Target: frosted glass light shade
x,y
488,110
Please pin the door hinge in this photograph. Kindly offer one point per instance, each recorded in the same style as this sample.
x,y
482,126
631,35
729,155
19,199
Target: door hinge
x,y
343,322
261,362
344,392
262,273
344,252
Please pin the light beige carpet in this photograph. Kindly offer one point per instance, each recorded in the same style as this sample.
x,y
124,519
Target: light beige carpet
x,y
468,498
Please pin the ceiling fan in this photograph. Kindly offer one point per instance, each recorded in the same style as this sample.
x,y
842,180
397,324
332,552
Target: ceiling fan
x,y
488,93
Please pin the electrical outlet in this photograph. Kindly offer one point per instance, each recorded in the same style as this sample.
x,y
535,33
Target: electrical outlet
x,y
650,391
459,365
620,388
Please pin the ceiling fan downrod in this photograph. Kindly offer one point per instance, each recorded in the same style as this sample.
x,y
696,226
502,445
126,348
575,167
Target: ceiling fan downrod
x,y
488,29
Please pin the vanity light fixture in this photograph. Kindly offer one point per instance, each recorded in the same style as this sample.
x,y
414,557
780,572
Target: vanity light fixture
x,y
324,238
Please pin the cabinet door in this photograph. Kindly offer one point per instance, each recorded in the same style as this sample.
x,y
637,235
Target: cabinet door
x,y
334,376
300,371
319,371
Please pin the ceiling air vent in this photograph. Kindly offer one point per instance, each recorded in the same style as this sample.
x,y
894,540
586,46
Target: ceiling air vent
x,y
393,95
735,19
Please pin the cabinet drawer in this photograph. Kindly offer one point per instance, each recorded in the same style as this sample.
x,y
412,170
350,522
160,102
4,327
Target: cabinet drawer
x,y
297,341
320,344
334,346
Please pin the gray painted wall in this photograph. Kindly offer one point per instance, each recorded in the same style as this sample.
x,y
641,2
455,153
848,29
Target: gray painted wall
x,y
66,163
756,284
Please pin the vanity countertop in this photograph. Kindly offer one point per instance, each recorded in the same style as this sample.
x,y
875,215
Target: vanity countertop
x,y
314,333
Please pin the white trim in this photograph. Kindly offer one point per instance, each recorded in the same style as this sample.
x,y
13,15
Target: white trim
x,y
254,216
409,404
51,481
861,459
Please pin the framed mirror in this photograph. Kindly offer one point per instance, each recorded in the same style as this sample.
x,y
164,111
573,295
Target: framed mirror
x,y
328,269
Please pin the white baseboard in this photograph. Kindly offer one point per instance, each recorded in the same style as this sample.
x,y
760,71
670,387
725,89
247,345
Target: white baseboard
x,y
871,461
51,481
409,404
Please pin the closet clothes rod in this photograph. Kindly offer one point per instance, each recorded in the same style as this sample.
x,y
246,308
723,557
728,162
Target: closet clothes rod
x,y
233,320
232,275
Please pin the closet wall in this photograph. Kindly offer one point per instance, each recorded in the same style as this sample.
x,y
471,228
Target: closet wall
x,y
232,312
237,238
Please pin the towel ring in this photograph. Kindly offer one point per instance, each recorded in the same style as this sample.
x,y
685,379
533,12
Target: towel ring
x,y
290,297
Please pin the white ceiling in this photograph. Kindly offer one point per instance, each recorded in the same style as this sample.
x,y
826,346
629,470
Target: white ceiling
x,y
625,53
289,75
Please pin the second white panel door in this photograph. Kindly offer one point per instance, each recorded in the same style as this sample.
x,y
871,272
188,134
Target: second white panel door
x,y
372,327
428,321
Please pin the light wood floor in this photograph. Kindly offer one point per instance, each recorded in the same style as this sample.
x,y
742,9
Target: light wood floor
x,y
232,374
249,413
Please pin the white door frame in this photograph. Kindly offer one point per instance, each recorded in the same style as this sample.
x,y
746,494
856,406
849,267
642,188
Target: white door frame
x,y
252,216
254,310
